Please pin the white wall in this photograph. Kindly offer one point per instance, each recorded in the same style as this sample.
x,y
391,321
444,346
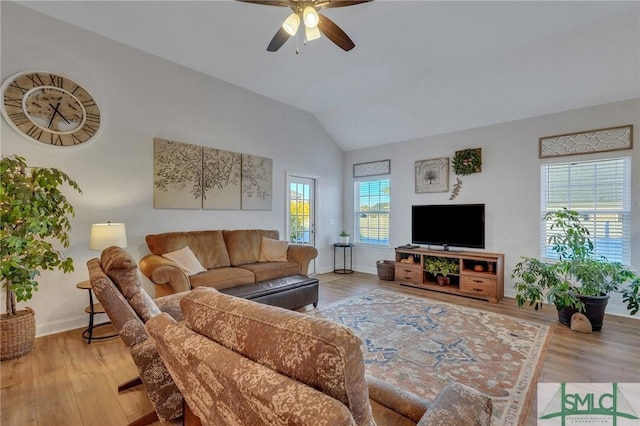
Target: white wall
x,y
509,184
142,97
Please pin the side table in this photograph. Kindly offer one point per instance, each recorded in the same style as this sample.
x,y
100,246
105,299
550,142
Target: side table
x,y
93,309
344,269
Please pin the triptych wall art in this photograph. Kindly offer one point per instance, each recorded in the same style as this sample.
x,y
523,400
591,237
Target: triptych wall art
x,y
187,176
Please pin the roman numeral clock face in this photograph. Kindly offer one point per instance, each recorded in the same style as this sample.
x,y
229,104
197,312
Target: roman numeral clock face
x,y
50,108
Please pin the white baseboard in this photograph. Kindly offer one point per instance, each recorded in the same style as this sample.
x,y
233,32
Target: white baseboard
x,y
59,326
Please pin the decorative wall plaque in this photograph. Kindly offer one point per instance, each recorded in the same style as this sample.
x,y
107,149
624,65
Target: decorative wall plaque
x,y
599,140
432,175
373,168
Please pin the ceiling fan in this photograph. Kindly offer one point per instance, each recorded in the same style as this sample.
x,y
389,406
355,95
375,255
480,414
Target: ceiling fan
x,y
306,12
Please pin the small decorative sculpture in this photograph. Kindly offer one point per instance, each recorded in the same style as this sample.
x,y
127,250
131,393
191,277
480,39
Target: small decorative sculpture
x,y
580,323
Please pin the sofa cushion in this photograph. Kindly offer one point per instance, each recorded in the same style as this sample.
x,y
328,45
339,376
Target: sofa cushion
x,y
273,250
318,352
186,260
123,270
220,278
270,270
208,246
244,245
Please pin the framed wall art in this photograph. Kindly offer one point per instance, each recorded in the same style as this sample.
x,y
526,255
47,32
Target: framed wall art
x,y
599,140
432,175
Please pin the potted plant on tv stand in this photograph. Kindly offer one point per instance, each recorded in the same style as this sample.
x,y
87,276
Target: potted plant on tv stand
x,y
579,281
441,268
34,213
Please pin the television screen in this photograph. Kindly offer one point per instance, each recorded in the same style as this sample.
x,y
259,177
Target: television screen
x,y
458,225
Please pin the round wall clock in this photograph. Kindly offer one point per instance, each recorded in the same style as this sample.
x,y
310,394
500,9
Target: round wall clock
x,y
50,108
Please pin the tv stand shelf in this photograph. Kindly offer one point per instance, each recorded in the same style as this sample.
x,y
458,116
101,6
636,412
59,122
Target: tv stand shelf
x,y
481,274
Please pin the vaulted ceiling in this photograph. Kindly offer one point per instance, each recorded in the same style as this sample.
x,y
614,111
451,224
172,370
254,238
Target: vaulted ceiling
x,y
419,68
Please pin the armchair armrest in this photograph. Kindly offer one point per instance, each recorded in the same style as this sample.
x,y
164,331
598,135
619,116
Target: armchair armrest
x,y
457,404
171,305
167,276
397,399
302,255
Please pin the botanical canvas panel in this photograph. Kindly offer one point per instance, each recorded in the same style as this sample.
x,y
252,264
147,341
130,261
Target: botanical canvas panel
x,y
257,182
221,178
177,175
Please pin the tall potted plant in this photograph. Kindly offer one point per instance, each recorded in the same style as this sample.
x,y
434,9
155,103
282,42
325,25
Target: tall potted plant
x,y
579,281
34,214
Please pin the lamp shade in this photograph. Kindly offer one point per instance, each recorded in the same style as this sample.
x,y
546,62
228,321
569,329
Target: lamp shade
x,y
108,234
291,24
310,17
312,33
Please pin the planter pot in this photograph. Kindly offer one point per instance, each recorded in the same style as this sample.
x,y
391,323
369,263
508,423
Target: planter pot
x,y
594,310
17,334
442,280
343,240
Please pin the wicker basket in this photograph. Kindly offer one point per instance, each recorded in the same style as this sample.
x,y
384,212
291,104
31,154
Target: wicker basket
x,y
17,334
386,270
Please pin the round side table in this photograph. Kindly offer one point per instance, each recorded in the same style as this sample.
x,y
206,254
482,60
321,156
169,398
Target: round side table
x,y
344,269
93,309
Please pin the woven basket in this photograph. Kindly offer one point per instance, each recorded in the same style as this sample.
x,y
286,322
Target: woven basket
x,y
386,270
17,334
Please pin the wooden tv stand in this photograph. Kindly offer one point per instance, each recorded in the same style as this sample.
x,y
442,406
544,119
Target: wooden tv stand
x,y
487,283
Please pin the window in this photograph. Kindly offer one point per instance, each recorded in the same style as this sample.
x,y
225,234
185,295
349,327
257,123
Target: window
x,y
372,212
600,190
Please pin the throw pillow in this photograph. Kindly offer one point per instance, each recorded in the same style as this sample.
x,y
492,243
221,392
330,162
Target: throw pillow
x,y
186,260
273,250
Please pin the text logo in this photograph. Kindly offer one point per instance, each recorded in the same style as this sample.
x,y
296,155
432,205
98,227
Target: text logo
x,y
588,404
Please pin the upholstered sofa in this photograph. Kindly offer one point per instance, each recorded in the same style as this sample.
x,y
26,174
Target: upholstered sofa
x,y
228,259
237,362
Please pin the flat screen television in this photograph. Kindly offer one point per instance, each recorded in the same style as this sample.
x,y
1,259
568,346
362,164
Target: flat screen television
x,y
457,225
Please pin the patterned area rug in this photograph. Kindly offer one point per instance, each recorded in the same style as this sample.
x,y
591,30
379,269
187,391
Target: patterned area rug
x,y
421,345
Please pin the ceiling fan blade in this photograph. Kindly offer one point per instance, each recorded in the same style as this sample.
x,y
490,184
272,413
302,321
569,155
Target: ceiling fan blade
x,y
268,2
327,4
278,40
335,33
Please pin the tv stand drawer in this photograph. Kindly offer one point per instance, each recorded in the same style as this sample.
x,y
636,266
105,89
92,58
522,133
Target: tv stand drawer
x,y
408,273
480,286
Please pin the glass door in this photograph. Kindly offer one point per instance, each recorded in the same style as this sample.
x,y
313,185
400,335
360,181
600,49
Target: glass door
x,y
301,212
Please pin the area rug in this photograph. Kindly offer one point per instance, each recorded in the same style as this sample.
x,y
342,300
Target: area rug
x,y
421,345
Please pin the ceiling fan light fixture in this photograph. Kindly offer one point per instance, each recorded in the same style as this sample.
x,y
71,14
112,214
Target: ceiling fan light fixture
x,y
291,24
312,33
310,17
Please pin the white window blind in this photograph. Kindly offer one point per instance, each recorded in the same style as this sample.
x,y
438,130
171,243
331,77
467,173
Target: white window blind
x,y
373,199
600,190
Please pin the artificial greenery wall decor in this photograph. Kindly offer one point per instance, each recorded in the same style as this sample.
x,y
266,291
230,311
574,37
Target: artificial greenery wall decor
x,y
465,163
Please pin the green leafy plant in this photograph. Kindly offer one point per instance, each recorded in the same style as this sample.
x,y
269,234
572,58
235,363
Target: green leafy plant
x,y
343,234
441,265
578,272
34,214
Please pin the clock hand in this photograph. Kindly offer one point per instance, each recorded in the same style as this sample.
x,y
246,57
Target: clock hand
x,y
55,110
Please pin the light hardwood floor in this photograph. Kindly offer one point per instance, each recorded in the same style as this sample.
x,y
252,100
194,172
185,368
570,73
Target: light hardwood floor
x,y
64,381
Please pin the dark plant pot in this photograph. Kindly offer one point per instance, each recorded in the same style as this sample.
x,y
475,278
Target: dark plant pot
x,y
594,310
